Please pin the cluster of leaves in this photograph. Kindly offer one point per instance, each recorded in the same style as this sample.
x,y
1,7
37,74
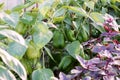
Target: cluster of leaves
x,y
44,40
105,64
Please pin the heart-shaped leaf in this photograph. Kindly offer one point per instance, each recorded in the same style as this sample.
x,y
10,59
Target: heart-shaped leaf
x,y
42,35
42,74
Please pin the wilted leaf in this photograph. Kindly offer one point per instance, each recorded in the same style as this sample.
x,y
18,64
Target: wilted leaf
x,y
5,74
13,64
42,74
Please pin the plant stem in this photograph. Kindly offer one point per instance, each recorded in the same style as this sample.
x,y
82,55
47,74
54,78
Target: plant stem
x,y
24,8
43,59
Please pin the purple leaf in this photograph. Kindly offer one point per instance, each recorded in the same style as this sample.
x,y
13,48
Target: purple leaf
x,y
81,61
76,71
108,77
110,21
93,61
62,76
93,68
98,48
105,53
109,34
87,78
116,60
107,39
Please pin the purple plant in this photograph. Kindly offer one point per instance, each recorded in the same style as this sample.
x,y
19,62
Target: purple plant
x,y
110,23
106,64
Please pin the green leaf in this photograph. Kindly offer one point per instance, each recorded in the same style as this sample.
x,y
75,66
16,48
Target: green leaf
x,y
42,35
1,6
3,46
17,50
13,64
59,15
49,53
27,19
100,28
74,48
77,10
59,12
42,74
75,24
58,19
14,36
46,6
97,17
90,4
11,19
65,62
5,74
118,0
22,6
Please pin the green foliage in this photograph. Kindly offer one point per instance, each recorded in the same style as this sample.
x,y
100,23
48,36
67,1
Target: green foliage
x,y
4,72
75,48
42,74
37,43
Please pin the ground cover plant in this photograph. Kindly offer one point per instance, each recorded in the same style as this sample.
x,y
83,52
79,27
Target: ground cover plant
x,y
60,40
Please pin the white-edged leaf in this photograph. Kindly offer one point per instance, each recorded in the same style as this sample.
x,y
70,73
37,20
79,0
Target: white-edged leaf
x,y
11,19
17,50
13,64
42,74
14,36
5,74
3,26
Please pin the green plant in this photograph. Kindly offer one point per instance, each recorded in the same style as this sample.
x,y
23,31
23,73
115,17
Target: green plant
x,y
44,40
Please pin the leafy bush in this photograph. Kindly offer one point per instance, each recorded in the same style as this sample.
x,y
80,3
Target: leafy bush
x,y
55,37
